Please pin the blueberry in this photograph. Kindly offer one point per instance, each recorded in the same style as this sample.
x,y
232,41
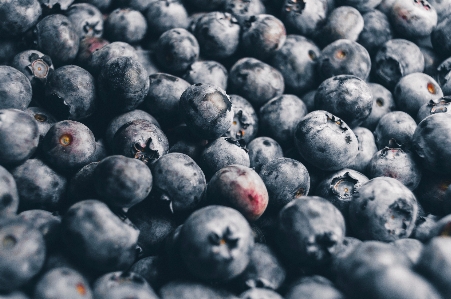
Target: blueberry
x,y
118,285
280,116
344,57
239,187
376,31
396,125
15,295
163,15
326,141
80,187
410,247
304,19
19,137
152,269
8,48
314,287
431,192
440,105
47,223
361,5
9,196
423,227
207,71
309,100
412,19
97,238
309,231
367,148
344,250
206,110
18,16
68,146
122,84
245,121
163,98
125,25
22,253
102,5
382,104
15,89
243,10
86,19
56,36
441,228
206,5
263,150
88,46
297,61
62,283
108,52
142,140
383,209
431,61
442,8
185,289
443,76
186,143
54,6
216,238
260,293
70,93
255,80
147,60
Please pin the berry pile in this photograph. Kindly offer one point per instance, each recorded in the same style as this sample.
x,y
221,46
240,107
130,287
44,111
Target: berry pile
x,y
225,149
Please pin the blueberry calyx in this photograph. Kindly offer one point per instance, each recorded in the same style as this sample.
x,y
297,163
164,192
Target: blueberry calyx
x,y
238,142
295,5
337,121
144,152
9,242
392,146
344,186
321,245
439,105
259,283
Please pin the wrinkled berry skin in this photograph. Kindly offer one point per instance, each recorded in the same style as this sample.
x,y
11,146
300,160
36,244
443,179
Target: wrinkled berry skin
x,y
346,96
285,179
309,231
163,15
413,19
325,141
441,105
70,93
376,31
207,71
245,120
395,59
239,187
431,142
125,25
280,116
263,150
179,180
215,243
86,19
122,84
367,148
56,37
18,16
15,89
9,197
97,238
117,285
163,98
255,80
383,103
344,57
106,53
206,110
304,19
68,146
297,61
62,282
39,186
243,10
222,152
22,253
142,140
19,137
313,287
383,209
396,125
122,181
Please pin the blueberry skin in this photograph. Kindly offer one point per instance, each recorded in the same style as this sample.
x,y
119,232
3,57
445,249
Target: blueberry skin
x,y
152,269
309,231
443,76
207,71
243,10
255,80
15,89
423,227
146,58
206,110
262,36
164,15
206,5
97,238
305,19
309,100
245,120
125,25
9,196
179,180
18,16
15,295
263,150
142,140
367,148
88,46
8,48
441,228
68,146
117,285
345,249
376,31
314,287
62,283
431,142
412,19
39,186
383,103
176,50
344,57
122,181
396,125
285,179
325,141
122,84
56,36
395,59
297,61
22,253
361,5
440,37
103,55
47,223
431,192
19,137
163,97
222,152
431,61
260,293
186,143
279,118
415,90
215,243
86,19
346,96
80,187
70,93
218,34
185,289
383,209
339,188
410,247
